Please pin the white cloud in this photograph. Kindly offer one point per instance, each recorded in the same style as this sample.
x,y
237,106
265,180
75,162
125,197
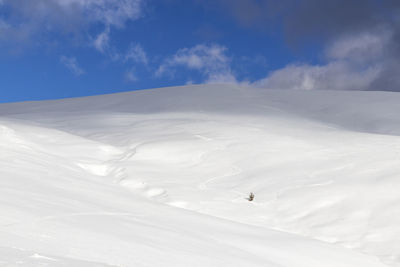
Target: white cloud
x,y
362,48
72,64
332,76
209,60
39,17
109,12
223,77
353,63
136,54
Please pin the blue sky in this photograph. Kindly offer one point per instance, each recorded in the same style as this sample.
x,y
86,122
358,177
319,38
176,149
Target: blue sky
x,y
66,48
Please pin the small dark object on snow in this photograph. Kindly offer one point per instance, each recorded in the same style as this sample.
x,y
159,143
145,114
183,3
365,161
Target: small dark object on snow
x,y
251,197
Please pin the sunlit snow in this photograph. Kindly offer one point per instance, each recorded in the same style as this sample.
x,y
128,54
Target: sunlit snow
x,y
161,178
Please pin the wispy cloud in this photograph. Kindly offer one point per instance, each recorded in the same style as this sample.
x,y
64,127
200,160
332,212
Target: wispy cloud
x,y
136,54
72,64
3,25
210,61
130,75
101,42
41,17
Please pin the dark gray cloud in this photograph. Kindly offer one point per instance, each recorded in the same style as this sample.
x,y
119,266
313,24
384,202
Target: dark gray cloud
x,y
310,18
361,39
329,19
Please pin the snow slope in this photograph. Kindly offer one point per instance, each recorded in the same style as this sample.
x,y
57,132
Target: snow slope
x,y
160,178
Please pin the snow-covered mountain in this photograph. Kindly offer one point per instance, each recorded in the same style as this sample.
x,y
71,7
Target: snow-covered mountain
x,y
160,178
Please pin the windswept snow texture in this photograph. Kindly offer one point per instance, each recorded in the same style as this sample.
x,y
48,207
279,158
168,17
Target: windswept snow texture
x,y
160,178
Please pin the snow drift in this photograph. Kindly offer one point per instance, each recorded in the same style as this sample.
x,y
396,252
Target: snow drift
x,y
160,178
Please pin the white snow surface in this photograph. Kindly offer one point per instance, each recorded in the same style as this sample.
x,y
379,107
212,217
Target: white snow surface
x,y
160,178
